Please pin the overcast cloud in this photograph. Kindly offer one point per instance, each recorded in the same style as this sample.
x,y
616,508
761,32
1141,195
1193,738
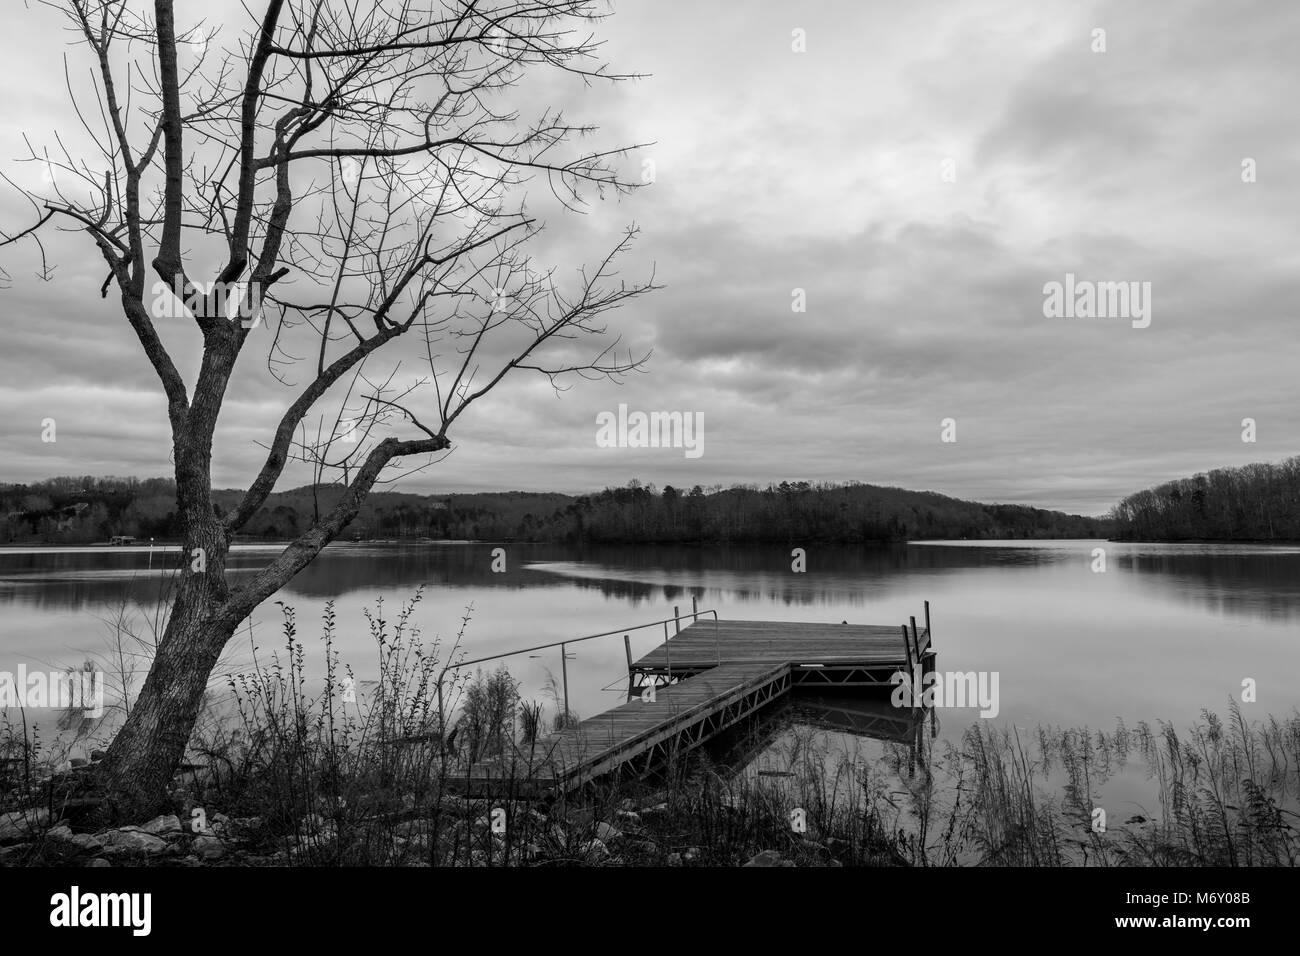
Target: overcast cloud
x,y
821,171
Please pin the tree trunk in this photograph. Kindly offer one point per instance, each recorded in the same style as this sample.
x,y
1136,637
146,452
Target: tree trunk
x,y
144,754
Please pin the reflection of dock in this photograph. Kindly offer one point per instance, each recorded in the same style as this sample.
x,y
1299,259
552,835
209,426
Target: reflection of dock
x,y
858,715
862,716
708,677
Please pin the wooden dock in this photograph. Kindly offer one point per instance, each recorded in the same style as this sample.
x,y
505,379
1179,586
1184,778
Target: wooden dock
x,y
701,681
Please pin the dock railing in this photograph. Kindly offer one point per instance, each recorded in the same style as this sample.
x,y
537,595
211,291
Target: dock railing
x,y
676,620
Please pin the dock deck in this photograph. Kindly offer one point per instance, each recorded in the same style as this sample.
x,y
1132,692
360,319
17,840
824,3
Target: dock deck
x,y
705,678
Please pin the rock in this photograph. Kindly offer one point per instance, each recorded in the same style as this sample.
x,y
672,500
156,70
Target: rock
x,y
165,826
606,833
10,855
98,861
629,818
19,826
84,842
79,762
135,840
209,848
690,853
581,817
97,755
766,858
463,806
674,859
241,828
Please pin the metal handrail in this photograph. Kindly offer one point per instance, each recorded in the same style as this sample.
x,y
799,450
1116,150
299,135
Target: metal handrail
x,y
677,618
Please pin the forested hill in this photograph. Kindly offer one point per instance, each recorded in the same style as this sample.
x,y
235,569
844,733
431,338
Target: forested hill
x,y
1259,502
85,510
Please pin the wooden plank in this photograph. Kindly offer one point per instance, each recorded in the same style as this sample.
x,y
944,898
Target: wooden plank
x,y
577,751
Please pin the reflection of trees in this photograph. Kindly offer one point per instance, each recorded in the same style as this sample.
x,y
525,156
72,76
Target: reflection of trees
x,y
1251,585
1243,585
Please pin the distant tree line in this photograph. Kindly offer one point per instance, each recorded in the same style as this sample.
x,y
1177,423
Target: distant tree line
x,y
83,510
1258,502
790,511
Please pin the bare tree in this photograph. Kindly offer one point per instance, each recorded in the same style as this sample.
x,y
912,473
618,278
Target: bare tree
x,y
355,175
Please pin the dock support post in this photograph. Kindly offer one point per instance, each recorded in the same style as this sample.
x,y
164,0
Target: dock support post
x,y
927,623
695,608
564,670
916,639
677,619
907,649
627,649
668,658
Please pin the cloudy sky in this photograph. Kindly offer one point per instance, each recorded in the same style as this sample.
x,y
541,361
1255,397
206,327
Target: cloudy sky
x,y
824,170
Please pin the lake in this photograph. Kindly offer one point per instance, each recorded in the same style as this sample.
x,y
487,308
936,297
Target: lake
x,y
1163,632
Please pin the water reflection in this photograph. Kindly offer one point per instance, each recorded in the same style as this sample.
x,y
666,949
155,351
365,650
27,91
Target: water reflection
x,y
1072,646
1225,580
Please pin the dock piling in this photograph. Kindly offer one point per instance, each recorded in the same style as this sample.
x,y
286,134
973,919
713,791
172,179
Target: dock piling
x,y
564,669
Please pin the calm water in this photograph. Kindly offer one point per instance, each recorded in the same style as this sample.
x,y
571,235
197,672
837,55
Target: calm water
x,y
1165,631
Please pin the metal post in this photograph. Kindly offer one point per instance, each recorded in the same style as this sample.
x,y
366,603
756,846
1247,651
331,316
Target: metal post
x,y
564,669
907,647
668,658
627,648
